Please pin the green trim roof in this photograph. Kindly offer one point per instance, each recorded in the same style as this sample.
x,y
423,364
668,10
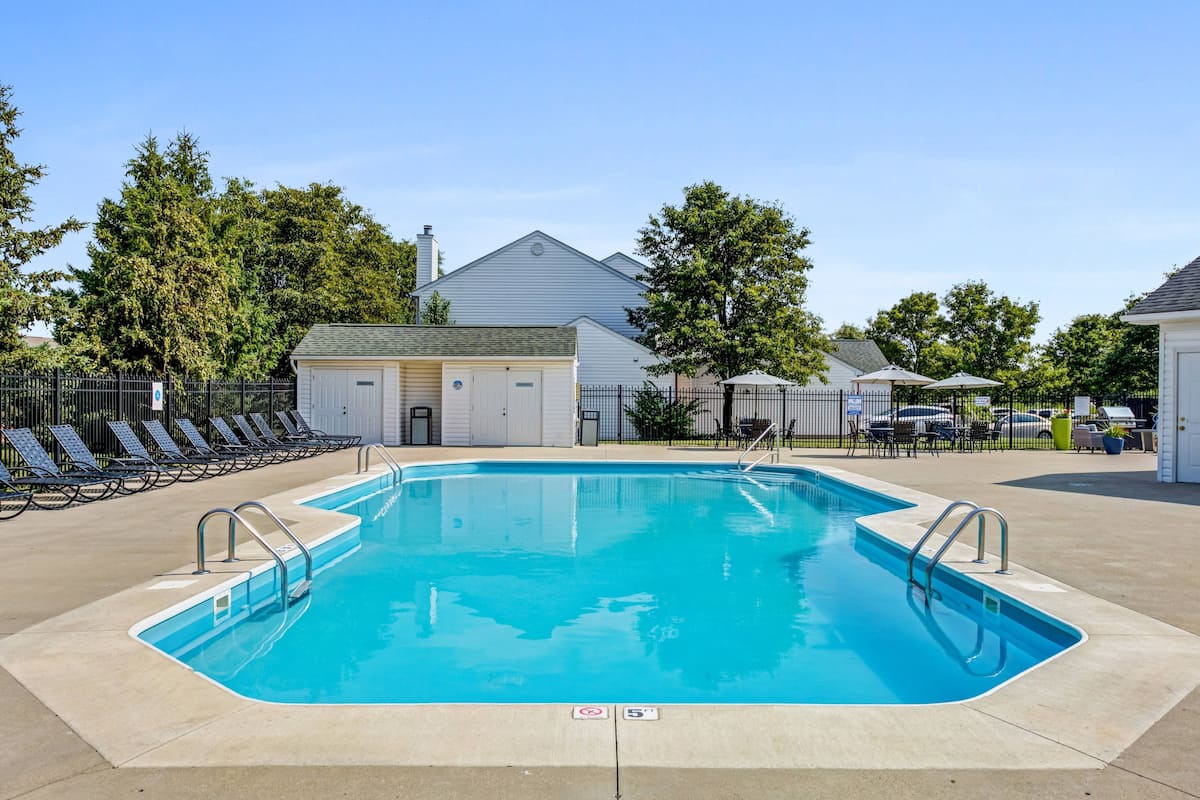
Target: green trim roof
x,y
437,341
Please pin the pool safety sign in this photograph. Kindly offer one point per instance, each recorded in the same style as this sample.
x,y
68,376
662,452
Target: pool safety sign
x,y
983,401
854,405
156,396
640,713
589,712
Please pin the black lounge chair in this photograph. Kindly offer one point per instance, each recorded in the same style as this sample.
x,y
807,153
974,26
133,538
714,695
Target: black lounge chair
x,y
185,468
266,455
44,473
133,478
252,438
264,428
13,500
242,456
171,449
303,426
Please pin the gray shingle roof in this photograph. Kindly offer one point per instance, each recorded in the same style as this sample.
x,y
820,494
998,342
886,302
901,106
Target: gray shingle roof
x,y
437,341
1181,292
861,354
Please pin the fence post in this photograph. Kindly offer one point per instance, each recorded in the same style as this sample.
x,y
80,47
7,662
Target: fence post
x,y
270,399
58,397
620,417
209,409
243,396
120,396
842,417
170,401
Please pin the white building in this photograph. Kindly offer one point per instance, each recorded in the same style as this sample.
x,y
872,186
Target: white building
x,y
1175,308
482,385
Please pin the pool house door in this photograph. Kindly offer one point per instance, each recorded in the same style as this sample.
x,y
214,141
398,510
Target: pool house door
x,y
506,407
1187,424
348,402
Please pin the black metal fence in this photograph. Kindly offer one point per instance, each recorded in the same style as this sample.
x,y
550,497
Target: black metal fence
x,y
88,402
821,418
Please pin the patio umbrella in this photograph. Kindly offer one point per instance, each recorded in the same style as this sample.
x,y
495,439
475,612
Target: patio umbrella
x,y
756,378
894,376
962,380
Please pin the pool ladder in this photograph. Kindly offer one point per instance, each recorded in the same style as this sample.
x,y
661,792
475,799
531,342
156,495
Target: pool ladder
x,y
384,456
976,513
773,453
286,597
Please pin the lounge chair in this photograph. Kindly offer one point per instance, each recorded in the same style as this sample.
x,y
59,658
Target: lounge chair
x,y
13,500
222,462
264,427
134,478
243,457
186,468
44,473
266,455
254,440
303,426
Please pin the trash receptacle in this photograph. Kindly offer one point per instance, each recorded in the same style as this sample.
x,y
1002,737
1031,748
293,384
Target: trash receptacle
x,y
420,418
589,428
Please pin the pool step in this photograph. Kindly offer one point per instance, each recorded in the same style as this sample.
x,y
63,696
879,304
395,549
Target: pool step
x,y
299,590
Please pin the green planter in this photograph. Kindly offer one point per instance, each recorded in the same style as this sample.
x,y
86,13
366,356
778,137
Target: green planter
x,y
1060,429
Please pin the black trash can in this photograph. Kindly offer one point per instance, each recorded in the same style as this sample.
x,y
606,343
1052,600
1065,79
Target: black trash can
x,y
589,428
420,424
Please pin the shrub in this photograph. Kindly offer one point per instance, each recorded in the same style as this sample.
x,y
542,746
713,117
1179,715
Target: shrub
x,y
656,417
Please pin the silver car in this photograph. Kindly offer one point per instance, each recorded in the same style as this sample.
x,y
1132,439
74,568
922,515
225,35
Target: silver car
x,y
923,416
1023,425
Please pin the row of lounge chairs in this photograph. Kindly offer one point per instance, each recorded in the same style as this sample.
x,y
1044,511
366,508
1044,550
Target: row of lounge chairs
x,y
43,483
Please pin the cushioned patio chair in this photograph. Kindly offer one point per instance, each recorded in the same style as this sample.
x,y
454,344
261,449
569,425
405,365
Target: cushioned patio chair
x,y
55,488
1088,436
134,478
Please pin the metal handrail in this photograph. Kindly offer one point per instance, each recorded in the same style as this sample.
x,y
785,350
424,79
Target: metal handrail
x,y
978,512
916,548
236,517
384,456
283,527
772,427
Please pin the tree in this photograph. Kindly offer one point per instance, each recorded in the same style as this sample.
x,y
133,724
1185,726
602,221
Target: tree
x,y
907,330
848,331
157,297
725,290
436,311
1131,364
991,335
655,417
1073,355
25,296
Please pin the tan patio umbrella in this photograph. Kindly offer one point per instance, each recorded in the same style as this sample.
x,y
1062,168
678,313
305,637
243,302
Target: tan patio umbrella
x,y
962,380
757,378
894,376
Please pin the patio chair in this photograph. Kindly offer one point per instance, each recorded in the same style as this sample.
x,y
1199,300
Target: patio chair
x,y
188,468
265,431
859,435
732,433
904,436
238,458
13,500
292,449
232,442
303,426
170,449
43,472
134,478
980,435
1088,436
789,436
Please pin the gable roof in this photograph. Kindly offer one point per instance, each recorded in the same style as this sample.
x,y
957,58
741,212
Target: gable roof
x,y
457,273
627,264
862,354
636,344
1181,292
437,341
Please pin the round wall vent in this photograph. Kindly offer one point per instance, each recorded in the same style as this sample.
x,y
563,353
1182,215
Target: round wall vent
x,y
537,249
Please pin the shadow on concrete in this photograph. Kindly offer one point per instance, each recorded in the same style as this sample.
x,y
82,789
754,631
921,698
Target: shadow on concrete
x,y
1134,485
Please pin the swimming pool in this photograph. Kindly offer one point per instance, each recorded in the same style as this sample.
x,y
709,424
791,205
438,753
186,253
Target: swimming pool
x,y
532,582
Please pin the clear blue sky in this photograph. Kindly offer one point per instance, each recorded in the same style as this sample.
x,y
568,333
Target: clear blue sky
x,y
1047,148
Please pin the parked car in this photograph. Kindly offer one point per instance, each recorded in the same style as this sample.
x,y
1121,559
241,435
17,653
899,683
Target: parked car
x,y
1022,425
923,416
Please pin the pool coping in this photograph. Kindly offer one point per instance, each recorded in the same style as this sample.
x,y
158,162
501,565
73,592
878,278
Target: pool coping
x,y
1078,710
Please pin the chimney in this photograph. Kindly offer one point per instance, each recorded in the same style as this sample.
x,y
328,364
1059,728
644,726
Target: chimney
x,y
427,256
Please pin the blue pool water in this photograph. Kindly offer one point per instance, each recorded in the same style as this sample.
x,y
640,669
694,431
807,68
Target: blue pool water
x,y
613,583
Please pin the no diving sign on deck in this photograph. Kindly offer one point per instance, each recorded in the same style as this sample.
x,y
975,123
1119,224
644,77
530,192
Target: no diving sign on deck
x,y
589,712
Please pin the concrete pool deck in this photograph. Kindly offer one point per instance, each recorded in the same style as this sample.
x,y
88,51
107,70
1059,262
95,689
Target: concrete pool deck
x,y
1076,518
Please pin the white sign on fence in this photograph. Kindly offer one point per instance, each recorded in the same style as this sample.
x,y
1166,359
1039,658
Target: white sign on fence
x,y
983,401
854,405
1083,406
156,396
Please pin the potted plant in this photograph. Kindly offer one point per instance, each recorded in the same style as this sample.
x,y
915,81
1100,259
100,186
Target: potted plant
x,y
1114,439
1060,429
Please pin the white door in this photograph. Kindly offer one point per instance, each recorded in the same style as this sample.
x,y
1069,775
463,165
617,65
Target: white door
x,y
489,407
525,408
1187,433
348,402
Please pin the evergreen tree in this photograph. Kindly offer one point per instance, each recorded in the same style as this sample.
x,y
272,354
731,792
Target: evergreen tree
x,y
436,311
25,296
158,295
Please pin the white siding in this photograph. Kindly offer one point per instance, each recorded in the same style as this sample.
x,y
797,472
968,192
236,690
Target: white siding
x,y
390,390
839,375
558,400
514,287
630,266
421,385
1173,339
607,358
